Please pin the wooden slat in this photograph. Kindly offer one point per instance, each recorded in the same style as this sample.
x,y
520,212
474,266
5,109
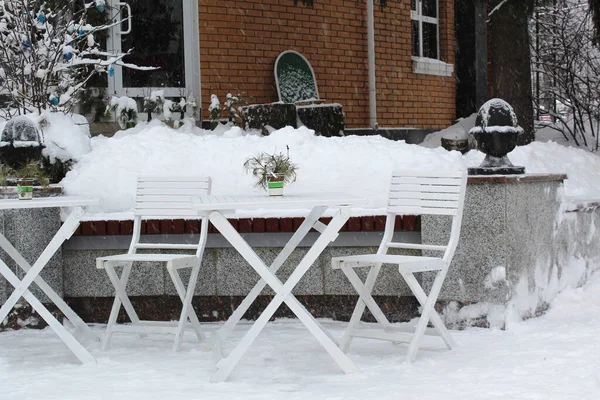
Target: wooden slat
x,y
423,203
412,210
428,173
425,181
424,196
163,191
158,212
424,188
165,199
173,178
179,205
170,185
172,246
416,246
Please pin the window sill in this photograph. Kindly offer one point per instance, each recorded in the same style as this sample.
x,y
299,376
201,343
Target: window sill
x,y
430,66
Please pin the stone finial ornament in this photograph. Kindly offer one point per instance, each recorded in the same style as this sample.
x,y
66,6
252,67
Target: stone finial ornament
x,y
496,132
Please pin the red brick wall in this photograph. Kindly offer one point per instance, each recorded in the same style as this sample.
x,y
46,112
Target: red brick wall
x,y
240,40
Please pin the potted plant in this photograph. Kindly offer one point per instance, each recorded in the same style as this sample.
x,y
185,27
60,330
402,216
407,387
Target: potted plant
x,y
26,176
272,171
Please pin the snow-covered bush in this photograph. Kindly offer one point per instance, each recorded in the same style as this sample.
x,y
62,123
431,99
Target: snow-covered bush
x,y
173,113
48,52
232,106
125,109
20,142
214,111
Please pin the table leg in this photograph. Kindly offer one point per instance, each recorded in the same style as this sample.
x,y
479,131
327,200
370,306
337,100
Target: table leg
x,y
52,295
66,231
283,294
290,246
80,352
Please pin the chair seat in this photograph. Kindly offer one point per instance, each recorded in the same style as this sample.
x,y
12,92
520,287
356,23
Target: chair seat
x,y
144,257
405,263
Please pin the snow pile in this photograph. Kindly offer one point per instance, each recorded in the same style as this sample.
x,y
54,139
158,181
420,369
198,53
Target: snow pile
x,y
353,164
66,136
581,167
358,165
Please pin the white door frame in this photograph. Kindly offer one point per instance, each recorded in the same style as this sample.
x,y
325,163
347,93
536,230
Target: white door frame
x,y
191,56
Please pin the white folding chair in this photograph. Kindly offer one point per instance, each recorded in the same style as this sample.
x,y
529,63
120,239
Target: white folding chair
x,y
170,197
411,193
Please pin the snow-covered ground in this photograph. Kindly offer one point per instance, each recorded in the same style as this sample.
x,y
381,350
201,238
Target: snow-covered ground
x,y
555,356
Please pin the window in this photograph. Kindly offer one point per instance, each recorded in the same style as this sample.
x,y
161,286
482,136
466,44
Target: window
x,y
425,32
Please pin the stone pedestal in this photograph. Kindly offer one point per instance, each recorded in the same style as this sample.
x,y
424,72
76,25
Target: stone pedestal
x,y
507,231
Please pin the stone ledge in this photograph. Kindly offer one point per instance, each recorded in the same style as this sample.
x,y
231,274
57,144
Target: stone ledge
x,y
577,205
242,225
486,179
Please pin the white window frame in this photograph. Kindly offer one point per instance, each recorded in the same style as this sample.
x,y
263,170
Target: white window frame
x,y
428,65
191,57
420,18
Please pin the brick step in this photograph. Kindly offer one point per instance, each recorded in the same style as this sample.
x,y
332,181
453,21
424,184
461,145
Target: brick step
x,y
242,225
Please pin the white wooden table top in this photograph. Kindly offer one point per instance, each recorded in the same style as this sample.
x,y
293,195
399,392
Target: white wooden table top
x,y
47,202
264,201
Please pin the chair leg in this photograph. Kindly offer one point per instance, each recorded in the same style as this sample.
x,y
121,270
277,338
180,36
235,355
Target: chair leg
x,y
120,299
426,314
187,311
419,293
365,300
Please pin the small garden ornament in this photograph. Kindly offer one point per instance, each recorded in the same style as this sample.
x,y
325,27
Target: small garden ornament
x,y
272,171
495,133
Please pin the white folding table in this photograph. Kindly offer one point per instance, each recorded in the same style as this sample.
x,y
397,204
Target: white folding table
x,y
77,206
215,207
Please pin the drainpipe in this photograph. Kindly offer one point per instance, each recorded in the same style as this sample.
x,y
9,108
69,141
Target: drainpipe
x,y
371,52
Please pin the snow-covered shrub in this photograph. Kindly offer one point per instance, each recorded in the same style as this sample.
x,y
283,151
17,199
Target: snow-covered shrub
x,y
178,112
125,109
232,106
153,104
66,140
173,113
214,111
48,52
20,143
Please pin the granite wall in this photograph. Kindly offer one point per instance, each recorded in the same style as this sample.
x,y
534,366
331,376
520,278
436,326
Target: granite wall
x,y
520,245
29,231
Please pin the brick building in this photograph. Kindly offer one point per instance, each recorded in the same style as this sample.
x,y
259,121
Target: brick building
x,y
208,46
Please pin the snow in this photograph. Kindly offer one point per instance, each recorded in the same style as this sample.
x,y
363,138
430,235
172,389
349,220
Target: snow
x,y
554,356
359,165
109,171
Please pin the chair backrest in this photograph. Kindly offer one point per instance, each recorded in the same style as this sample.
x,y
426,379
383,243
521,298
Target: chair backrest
x,y
415,192
295,78
167,196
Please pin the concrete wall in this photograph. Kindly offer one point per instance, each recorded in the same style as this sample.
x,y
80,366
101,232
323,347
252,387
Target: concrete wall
x,y
223,271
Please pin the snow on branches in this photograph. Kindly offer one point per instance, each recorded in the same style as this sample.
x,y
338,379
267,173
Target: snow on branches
x,y
49,51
